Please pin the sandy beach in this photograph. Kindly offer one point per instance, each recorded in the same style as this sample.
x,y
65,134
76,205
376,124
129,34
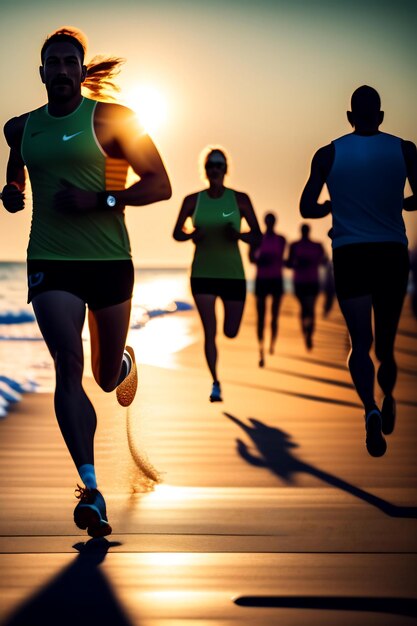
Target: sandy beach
x,y
263,509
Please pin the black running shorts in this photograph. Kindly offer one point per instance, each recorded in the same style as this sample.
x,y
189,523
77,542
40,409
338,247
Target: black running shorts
x,y
269,287
225,288
306,290
369,269
98,283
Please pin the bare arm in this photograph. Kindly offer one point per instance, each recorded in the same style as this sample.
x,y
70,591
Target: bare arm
x,y
140,152
121,136
13,192
254,236
320,169
410,157
186,211
290,262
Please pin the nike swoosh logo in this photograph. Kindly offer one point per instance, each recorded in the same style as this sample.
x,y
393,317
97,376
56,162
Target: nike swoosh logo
x,y
228,214
68,137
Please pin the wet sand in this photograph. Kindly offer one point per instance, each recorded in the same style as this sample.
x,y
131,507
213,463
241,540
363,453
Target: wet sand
x,y
268,508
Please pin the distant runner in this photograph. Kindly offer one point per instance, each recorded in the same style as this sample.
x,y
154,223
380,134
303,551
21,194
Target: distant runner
x,y
305,258
217,269
269,260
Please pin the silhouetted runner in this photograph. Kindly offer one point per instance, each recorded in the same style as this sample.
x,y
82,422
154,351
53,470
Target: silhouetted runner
x,y
365,172
305,258
217,269
77,152
269,260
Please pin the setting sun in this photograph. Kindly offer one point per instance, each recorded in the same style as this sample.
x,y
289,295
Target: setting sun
x,y
149,105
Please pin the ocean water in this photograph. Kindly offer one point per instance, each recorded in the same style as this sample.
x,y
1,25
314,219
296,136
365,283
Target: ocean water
x,y
158,329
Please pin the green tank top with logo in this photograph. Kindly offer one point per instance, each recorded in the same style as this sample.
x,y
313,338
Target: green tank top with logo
x,y
216,256
61,151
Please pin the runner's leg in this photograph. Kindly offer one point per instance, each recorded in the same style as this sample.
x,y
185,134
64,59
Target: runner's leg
x,y
205,304
260,310
108,331
233,312
276,304
60,316
358,315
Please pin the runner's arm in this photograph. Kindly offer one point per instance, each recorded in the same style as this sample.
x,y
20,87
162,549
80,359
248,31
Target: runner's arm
x,y
254,236
140,152
290,261
12,194
121,136
410,156
320,169
186,211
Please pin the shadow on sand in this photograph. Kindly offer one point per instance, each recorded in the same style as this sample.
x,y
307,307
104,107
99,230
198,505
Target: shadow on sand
x,y
393,606
275,453
79,595
337,366
298,394
328,381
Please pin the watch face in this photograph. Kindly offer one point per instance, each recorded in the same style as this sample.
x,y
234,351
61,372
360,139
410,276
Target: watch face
x,y
111,201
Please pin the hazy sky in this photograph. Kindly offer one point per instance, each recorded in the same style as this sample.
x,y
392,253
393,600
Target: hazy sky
x,y
270,81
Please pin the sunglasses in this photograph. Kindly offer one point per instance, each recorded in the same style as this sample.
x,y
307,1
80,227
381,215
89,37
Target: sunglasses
x,y
211,165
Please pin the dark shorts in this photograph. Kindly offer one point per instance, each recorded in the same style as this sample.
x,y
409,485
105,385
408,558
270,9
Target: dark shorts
x,y
225,288
306,290
369,269
269,287
98,283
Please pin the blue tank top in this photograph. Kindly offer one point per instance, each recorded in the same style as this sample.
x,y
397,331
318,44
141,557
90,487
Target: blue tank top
x,y
366,187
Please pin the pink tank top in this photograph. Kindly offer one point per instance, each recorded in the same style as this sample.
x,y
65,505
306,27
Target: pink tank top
x,y
269,256
305,259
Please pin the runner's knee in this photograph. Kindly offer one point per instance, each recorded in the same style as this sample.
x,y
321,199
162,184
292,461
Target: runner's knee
x,y
384,352
361,345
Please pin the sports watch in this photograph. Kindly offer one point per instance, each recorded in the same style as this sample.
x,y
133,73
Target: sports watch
x,y
106,200
110,201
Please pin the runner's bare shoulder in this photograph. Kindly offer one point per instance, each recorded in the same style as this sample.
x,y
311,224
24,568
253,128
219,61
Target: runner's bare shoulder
x,y
114,122
13,130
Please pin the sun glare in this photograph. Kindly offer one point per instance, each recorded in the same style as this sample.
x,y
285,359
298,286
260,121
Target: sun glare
x,y
150,106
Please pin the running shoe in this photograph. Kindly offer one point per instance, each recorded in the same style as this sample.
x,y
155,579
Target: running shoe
x,y
388,414
90,512
126,391
216,394
375,442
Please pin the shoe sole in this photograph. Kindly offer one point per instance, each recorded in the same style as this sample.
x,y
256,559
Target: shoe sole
x,y
87,517
102,530
215,399
375,442
126,391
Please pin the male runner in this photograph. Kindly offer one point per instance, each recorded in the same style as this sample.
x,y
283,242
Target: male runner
x,y
365,172
77,152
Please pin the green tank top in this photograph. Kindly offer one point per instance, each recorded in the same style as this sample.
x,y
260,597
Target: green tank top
x,y
66,148
216,256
